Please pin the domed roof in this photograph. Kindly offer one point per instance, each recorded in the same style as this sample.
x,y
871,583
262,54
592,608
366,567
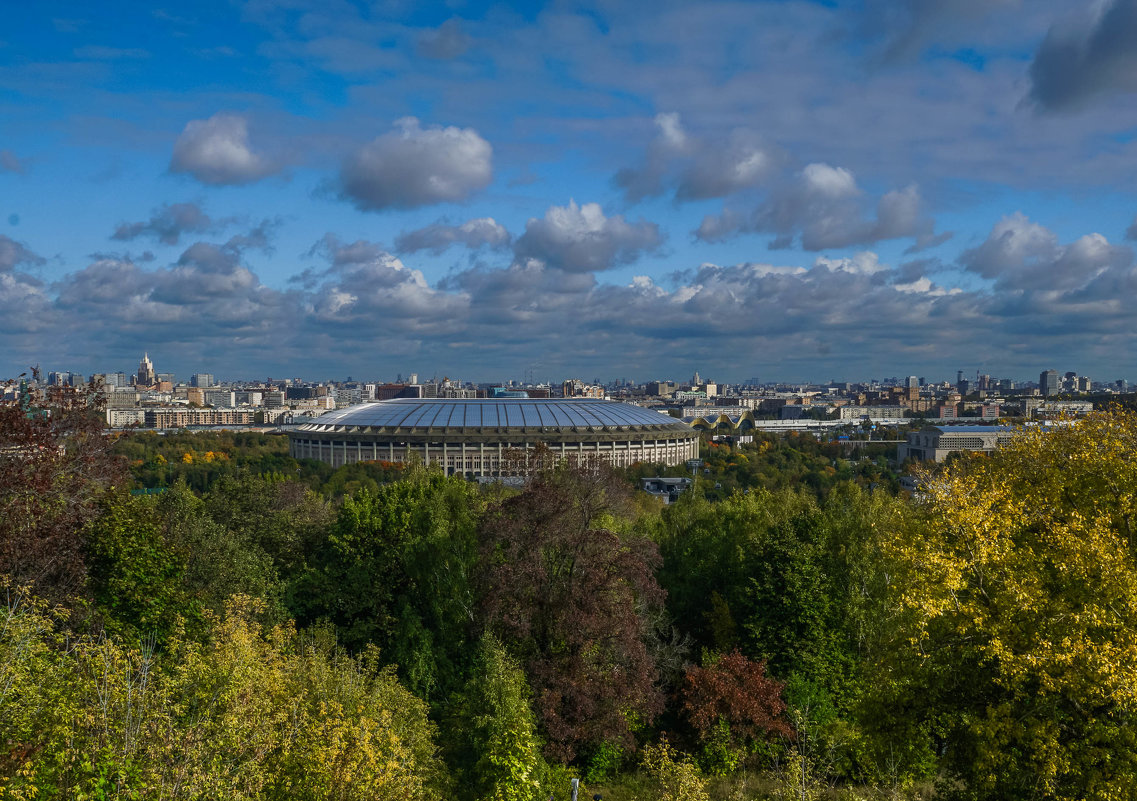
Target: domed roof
x,y
495,413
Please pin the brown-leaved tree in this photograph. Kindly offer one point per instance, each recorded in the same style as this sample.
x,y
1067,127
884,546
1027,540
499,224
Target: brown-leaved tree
x,y
570,597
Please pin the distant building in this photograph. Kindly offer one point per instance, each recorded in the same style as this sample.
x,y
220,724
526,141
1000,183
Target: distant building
x,y
122,418
203,380
220,398
495,436
666,489
1052,410
576,388
145,377
872,412
1048,383
171,417
935,443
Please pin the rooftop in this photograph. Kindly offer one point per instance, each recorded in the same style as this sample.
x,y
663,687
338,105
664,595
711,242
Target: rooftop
x,y
496,413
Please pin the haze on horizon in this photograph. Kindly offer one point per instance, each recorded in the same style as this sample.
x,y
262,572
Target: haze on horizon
x,y
785,190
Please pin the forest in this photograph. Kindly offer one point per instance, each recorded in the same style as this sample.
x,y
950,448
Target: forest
x,y
253,627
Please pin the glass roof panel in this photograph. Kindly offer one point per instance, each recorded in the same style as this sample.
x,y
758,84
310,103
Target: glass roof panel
x,y
494,413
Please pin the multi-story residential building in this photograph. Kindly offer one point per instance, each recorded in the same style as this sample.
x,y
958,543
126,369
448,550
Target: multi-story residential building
x,y
175,417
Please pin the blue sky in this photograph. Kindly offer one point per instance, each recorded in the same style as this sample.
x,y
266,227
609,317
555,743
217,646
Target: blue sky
x,y
787,190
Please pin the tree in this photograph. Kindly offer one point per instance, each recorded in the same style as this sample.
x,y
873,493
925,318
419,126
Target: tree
x,y
734,706
396,571
501,741
1014,652
571,598
135,577
673,776
245,712
793,583
220,562
55,465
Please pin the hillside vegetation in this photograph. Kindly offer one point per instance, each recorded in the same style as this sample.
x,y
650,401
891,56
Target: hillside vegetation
x,y
265,628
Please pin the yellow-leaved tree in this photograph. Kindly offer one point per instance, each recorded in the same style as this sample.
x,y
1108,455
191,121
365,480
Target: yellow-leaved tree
x,y
248,712
1014,654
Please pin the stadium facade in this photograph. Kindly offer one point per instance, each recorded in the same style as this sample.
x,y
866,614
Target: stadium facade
x,y
494,436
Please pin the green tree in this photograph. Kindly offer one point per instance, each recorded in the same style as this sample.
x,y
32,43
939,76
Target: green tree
x,y
396,571
135,577
790,581
500,729
220,562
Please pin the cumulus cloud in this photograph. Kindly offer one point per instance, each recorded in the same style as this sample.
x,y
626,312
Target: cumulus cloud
x,y
414,166
580,239
824,207
369,287
436,238
10,162
864,263
1087,57
216,151
1020,254
366,307
13,254
447,41
697,168
167,224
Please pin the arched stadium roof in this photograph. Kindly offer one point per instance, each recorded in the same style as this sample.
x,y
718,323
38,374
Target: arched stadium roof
x,y
408,414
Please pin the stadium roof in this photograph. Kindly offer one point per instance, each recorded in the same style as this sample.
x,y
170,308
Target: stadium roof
x,y
495,413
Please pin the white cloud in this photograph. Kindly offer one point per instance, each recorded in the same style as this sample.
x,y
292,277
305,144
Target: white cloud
x,y
697,168
473,234
864,263
824,207
581,239
1024,255
216,151
167,224
415,166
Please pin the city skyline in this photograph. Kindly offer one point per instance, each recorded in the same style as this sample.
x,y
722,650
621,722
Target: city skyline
x,y
788,190
147,374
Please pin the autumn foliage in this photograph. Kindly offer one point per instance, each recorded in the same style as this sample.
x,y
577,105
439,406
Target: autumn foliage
x,y
265,629
736,691
55,466
567,592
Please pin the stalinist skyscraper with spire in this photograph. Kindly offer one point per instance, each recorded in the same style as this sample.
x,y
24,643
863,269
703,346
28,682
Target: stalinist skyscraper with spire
x,y
146,378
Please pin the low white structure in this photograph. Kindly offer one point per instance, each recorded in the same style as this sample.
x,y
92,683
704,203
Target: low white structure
x,y
935,443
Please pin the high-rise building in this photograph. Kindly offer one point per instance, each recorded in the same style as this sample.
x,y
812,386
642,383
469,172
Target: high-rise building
x,y
1048,383
203,380
145,377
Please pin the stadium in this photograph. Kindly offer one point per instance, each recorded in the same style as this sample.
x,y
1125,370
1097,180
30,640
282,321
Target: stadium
x,y
494,436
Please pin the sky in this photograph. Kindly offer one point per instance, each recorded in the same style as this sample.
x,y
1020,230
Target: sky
x,y
787,191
